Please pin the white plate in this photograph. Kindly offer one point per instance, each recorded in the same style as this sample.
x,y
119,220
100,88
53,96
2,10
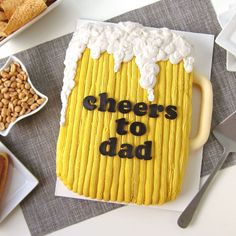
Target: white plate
x,y
13,35
227,37
20,182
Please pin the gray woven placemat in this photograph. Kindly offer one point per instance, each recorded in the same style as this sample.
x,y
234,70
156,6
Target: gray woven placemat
x,y
33,140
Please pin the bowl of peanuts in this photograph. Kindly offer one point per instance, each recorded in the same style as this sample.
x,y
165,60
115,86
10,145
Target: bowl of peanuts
x,y
18,97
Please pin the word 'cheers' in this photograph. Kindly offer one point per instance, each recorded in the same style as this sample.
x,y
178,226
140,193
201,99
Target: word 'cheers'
x,y
125,106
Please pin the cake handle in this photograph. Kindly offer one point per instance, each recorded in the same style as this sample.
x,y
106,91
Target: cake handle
x,y
205,113
187,215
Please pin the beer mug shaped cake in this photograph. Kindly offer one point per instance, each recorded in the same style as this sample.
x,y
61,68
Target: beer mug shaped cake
x,y
126,113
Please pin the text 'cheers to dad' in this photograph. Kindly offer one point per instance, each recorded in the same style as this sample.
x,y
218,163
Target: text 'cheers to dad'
x,y
106,104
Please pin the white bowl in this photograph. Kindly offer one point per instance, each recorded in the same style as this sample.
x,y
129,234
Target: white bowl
x,y
9,61
13,35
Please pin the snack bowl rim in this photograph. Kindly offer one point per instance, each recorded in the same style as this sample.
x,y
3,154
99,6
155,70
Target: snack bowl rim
x,y
8,62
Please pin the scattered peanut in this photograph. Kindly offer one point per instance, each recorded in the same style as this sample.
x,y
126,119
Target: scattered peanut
x,y
17,97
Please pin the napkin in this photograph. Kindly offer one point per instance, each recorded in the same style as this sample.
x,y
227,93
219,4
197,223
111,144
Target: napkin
x,y
224,18
33,140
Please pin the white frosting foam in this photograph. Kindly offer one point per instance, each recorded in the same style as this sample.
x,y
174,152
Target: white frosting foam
x,y
124,41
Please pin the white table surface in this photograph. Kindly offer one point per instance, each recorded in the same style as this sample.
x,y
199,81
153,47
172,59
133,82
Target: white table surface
x,y
217,213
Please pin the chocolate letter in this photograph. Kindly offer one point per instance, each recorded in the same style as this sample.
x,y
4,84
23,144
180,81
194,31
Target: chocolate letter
x,y
124,106
120,128
104,101
140,109
171,112
155,109
144,151
88,103
108,148
126,151
138,125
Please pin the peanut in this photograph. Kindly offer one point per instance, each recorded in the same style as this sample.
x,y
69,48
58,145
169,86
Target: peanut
x,y
13,119
8,120
7,83
12,68
24,105
27,86
5,101
30,101
4,90
40,101
2,126
21,95
13,84
22,112
34,106
17,109
6,96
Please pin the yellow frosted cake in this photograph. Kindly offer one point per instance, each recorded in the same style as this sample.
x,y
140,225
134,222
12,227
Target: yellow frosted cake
x,y
126,113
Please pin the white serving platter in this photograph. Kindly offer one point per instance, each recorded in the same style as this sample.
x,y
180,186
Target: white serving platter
x,y
202,52
20,182
13,35
227,37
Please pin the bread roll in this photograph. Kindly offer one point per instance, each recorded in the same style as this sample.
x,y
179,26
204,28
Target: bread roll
x,y
3,172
